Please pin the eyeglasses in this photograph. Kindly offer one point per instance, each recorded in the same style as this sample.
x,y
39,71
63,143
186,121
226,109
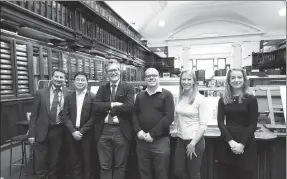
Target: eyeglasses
x,y
149,76
80,80
113,71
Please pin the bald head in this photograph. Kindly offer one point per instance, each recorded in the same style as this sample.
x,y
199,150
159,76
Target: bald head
x,y
152,78
151,70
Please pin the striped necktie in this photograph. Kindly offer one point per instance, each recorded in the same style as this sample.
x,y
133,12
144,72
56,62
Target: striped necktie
x,y
54,108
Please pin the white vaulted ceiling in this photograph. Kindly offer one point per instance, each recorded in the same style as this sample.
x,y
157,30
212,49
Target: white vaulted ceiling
x,y
201,19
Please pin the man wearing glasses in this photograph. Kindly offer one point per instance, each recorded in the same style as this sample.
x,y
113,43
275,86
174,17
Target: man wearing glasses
x,y
79,121
113,106
152,116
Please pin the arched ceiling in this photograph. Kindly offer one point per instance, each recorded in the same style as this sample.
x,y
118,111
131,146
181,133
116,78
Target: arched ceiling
x,y
201,19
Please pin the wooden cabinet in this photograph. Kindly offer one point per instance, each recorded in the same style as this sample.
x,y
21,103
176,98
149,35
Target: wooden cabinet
x,y
45,60
269,60
100,71
15,68
7,85
24,63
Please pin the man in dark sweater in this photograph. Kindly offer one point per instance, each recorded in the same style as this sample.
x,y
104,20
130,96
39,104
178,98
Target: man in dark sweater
x,y
152,116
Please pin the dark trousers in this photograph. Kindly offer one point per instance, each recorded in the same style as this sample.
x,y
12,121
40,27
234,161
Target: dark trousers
x,y
153,158
80,156
184,168
47,153
113,150
227,171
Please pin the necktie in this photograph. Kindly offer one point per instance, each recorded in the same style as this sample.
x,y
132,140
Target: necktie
x,y
54,108
113,98
113,95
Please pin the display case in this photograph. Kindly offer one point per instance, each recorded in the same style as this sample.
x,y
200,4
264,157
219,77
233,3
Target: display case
x,y
133,74
45,63
100,71
36,65
92,69
87,66
73,67
56,58
65,62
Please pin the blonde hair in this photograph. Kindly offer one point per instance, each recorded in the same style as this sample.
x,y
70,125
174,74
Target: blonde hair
x,y
193,91
227,96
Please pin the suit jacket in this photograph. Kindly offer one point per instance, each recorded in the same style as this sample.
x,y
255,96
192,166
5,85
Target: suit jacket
x,y
70,113
124,94
39,120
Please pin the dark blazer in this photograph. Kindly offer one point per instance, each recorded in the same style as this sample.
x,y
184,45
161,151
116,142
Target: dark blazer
x,y
39,120
70,112
124,94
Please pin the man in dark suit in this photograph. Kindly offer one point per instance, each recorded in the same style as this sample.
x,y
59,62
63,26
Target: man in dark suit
x,y
79,120
113,106
46,128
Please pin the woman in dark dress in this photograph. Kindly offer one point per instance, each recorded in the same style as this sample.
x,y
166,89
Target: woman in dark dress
x,y
237,154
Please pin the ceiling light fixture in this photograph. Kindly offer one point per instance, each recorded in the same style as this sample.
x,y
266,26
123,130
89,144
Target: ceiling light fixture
x,y
282,11
161,23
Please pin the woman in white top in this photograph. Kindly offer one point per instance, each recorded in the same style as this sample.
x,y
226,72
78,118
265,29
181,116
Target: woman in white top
x,y
189,126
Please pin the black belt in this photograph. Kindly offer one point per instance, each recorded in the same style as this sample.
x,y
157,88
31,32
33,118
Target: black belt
x,y
112,125
56,125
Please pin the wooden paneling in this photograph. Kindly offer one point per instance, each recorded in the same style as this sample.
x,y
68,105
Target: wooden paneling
x,y
83,27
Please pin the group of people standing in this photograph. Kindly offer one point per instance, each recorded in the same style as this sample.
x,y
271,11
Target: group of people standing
x,y
113,118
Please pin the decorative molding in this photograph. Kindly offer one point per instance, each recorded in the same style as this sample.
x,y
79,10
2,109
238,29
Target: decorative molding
x,y
218,20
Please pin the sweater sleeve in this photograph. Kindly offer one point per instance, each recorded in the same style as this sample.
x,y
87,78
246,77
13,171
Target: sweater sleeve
x,y
168,118
253,116
220,120
99,105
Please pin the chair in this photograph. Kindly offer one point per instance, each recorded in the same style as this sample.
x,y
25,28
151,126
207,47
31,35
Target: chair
x,y
23,139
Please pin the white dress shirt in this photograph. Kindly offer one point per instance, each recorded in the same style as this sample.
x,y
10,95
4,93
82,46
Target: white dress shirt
x,y
80,99
159,89
115,118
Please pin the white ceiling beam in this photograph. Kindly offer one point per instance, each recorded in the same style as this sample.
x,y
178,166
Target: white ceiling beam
x,y
254,37
217,40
